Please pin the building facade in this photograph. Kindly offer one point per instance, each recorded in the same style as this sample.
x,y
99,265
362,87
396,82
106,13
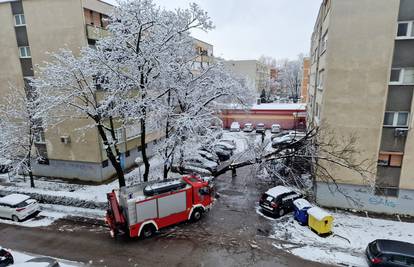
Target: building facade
x,y
305,80
361,84
256,72
288,116
32,28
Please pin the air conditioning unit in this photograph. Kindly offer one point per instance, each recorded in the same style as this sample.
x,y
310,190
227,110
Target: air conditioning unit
x,y
65,139
400,132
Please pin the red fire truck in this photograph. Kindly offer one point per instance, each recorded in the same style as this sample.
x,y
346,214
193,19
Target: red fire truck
x,y
141,210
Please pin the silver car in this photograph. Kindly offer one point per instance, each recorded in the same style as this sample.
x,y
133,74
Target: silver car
x,y
17,207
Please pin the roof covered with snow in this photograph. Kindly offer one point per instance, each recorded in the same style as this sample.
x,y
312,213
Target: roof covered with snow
x,y
301,203
279,106
278,190
13,199
318,213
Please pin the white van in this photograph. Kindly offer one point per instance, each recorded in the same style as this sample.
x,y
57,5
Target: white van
x,y
17,207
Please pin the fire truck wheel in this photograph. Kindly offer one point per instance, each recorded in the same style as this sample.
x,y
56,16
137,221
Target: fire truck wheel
x,y
197,213
147,231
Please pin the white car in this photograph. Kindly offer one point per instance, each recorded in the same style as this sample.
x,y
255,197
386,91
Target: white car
x,y
290,137
200,162
275,128
235,127
17,207
248,127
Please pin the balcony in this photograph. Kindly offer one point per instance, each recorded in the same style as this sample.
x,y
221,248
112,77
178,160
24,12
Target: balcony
x,y
95,33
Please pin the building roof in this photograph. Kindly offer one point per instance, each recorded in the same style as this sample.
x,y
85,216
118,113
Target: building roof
x,y
279,106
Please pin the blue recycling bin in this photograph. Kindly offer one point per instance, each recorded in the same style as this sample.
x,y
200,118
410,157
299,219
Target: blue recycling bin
x,y
301,207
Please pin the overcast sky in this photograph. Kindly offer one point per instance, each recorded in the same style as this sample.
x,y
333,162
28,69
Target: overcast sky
x,y
247,29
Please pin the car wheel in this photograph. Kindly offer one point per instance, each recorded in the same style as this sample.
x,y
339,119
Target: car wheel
x,y
197,214
15,218
148,231
281,212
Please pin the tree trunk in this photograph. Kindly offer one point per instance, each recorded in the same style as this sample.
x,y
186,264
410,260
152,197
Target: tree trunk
x,y
167,133
166,167
112,158
29,167
144,149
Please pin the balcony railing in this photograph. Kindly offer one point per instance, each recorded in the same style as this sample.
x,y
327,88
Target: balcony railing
x,y
95,33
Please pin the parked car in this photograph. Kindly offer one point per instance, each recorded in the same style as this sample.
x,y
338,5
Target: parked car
x,y
235,127
260,128
43,261
5,165
248,127
287,138
189,169
17,207
275,128
227,144
200,162
278,201
222,152
6,258
209,155
384,253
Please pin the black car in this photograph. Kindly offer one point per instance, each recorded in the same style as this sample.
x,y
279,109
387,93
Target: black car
x,y
6,258
390,253
278,201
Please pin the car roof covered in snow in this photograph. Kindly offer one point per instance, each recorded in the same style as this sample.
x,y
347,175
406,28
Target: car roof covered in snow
x,y
14,199
301,203
278,190
318,213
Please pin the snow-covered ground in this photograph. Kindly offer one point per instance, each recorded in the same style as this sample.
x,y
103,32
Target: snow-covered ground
x,y
21,257
346,246
50,213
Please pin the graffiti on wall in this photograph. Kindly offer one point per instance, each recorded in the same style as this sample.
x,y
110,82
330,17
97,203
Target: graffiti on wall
x,y
379,201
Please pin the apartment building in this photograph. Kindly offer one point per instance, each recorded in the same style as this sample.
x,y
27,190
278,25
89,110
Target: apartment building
x,y
257,73
304,87
361,84
204,54
30,28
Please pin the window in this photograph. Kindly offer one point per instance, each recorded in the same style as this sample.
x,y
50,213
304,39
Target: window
x,y
324,43
396,118
320,79
390,159
119,134
395,75
19,20
405,30
24,52
40,137
386,191
398,259
402,76
408,76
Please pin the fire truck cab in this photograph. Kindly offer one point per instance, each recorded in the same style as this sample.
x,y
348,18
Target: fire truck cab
x,y
143,209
